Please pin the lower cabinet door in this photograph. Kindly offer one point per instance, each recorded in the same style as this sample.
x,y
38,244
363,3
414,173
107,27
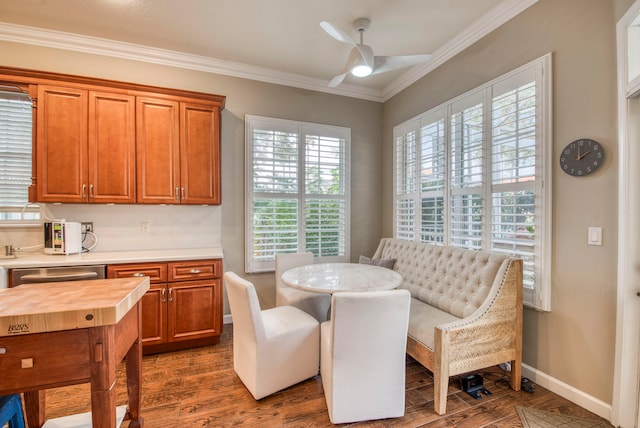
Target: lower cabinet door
x,y
154,315
192,312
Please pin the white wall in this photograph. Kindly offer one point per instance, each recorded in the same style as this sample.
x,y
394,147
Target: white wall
x,y
171,226
118,227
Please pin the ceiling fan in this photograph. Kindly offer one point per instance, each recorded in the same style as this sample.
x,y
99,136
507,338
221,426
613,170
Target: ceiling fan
x,y
361,60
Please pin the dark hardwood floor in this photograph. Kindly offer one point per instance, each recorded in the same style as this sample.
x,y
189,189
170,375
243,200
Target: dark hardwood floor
x,y
198,388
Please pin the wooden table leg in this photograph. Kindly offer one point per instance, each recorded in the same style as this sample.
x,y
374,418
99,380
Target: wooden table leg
x,y
134,376
103,376
34,405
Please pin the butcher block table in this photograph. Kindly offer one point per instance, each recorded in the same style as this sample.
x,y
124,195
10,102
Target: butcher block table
x,y
65,333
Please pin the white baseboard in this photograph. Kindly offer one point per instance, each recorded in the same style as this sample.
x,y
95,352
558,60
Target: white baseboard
x,y
572,394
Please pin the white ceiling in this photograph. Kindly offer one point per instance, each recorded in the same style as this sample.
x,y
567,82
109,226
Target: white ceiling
x,y
278,41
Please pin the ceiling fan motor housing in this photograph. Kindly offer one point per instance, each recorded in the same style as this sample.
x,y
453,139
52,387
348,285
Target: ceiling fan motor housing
x,y
361,24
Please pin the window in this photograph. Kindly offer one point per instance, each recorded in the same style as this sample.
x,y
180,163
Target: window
x,y
297,191
15,158
475,173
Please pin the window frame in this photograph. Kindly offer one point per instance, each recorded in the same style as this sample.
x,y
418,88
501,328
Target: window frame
x,y
21,91
539,296
301,129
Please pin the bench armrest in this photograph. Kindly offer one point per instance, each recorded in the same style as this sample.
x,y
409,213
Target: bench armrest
x,y
493,333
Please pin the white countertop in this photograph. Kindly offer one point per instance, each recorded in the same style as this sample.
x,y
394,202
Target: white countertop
x,y
109,257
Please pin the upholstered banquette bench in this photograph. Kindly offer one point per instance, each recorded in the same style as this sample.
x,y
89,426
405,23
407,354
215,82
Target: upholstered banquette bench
x,y
466,309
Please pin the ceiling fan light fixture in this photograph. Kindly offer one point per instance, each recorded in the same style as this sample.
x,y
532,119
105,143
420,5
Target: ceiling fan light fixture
x,y
362,70
362,62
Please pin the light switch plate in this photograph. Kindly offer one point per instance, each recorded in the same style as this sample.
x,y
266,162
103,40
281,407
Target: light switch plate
x,y
595,236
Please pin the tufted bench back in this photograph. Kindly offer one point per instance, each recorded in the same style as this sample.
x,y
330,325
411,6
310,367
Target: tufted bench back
x,y
452,279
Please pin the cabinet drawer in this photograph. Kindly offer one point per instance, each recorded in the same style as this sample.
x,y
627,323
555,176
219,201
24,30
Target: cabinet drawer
x,y
60,357
157,272
188,270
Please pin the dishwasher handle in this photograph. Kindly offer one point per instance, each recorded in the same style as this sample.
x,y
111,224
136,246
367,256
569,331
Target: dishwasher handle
x,y
76,276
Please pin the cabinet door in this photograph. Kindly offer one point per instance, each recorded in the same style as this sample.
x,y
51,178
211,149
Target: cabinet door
x,y
157,151
193,309
111,148
200,153
154,315
61,145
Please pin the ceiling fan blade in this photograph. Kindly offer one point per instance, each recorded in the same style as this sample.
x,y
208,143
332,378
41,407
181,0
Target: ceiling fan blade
x,y
337,80
367,55
388,63
337,33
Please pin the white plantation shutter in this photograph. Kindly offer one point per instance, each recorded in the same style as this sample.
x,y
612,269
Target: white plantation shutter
x,y
275,190
483,164
433,166
513,175
405,185
467,172
15,158
325,201
297,191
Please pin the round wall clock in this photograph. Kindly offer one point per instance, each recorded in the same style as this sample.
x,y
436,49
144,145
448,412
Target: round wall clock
x,y
581,157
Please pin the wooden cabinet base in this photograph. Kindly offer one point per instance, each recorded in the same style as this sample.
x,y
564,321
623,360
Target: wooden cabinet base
x,y
183,307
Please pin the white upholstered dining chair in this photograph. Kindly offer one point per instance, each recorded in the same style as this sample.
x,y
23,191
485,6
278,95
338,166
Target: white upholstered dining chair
x,y
362,355
315,304
273,348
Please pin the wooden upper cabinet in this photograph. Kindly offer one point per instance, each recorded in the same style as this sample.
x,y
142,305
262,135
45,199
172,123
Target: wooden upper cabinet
x,y
157,151
61,145
111,148
100,141
178,152
85,146
199,154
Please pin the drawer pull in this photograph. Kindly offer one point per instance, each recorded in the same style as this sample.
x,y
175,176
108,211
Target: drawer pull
x,y
171,294
138,274
163,297
195,271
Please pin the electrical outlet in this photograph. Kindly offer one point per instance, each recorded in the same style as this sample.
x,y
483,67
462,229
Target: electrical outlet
x,y
145,227
86,227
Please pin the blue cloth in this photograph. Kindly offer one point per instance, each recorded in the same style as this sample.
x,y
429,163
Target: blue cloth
x,y
11,411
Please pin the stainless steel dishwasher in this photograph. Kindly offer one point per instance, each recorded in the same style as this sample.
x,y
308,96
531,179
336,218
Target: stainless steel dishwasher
x,y
55,274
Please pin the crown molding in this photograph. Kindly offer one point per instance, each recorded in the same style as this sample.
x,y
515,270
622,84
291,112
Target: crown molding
x,y
131,51
135,52
485,25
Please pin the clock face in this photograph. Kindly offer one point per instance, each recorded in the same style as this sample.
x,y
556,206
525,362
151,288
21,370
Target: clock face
x,y
581,157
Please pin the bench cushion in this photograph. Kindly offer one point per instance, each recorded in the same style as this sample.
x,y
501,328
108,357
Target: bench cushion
x,y
423,319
